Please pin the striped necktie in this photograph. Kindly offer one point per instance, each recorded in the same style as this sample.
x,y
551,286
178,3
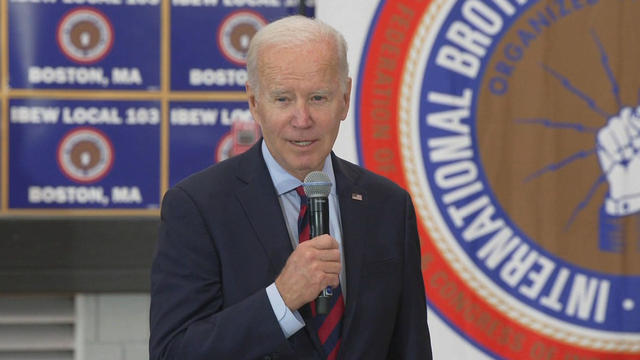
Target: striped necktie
x,y
329,326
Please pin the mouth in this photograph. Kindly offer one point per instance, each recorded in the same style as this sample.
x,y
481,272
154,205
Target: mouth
x,y
302,142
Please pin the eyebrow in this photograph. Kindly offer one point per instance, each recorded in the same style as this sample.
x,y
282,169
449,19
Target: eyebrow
x,y
321,92
278,92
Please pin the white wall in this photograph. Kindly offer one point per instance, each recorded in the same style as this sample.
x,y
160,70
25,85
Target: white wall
x,y
112,326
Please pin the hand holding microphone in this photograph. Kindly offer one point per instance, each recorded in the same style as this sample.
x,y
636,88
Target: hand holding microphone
x,y
314,266
317,187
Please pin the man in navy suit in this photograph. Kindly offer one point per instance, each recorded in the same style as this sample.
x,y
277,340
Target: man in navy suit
x,y
230,279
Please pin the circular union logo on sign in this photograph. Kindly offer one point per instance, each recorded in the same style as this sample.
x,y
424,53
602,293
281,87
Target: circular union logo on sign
x,y
235,33
515,125
85,35
85,155
224,149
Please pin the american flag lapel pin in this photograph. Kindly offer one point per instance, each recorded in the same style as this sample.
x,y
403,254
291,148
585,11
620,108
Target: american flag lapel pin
x,y
356,196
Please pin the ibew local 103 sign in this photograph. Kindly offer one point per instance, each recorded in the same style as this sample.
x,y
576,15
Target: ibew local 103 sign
x,y
84,154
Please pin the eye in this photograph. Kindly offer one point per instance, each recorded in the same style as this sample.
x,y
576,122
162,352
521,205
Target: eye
x,y
281,99
318,98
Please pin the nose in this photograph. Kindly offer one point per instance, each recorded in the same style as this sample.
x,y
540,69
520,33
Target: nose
x,y
302,115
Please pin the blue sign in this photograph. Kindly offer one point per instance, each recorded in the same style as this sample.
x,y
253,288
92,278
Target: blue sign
x,y
85,47
84,154
210,39
204,133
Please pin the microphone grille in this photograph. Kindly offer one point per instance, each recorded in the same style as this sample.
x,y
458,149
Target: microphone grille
x,y
317,184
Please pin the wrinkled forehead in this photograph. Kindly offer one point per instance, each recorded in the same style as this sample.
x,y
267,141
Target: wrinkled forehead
x,y
322,50
312,61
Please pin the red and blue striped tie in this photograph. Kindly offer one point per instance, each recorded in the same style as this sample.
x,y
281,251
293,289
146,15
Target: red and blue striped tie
x,y
329,326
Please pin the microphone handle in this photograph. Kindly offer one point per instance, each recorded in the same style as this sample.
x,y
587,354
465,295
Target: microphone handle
x,y
319,225
318,216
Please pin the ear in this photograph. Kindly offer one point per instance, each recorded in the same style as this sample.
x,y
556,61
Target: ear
x,y
253,104
347,99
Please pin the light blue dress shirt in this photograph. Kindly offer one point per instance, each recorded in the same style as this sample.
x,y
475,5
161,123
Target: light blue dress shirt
x,y
285,184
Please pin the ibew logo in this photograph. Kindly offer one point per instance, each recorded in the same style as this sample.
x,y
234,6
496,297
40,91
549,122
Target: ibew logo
x,y
519,135
507,171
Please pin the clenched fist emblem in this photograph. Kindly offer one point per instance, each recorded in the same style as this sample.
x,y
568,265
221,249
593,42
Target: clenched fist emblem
x,y
618,146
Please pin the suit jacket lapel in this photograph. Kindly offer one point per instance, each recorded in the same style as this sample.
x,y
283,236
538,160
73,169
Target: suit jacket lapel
x,y
260,202
353,241
353,208
262,208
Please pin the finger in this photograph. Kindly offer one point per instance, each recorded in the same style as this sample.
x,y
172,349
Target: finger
x,y
323,262
625,113
324,242
323,279
631,129
334,281
605,159
319,267
328,254
314,257
329,268
328,279
608,144
634,121
619,128
627,117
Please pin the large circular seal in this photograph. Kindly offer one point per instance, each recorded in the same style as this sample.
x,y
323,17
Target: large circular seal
x,y
85,35
516,128
85,155
235,33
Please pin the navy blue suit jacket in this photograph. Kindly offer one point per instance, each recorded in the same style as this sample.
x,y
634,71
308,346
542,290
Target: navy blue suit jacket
x,y
223,240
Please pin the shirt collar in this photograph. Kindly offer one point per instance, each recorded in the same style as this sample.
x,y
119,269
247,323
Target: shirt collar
x,y
285,182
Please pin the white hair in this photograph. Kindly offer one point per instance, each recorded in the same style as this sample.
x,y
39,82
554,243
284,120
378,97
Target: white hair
x,y
293,31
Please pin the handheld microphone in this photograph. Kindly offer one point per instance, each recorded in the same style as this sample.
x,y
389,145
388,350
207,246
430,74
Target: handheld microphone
x,y
317,187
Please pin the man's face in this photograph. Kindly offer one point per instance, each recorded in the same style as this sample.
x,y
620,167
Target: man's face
x,y
300,104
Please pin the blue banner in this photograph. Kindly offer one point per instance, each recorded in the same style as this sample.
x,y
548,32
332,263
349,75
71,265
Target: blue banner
x,y
55,45
84,154
204,133
209,40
